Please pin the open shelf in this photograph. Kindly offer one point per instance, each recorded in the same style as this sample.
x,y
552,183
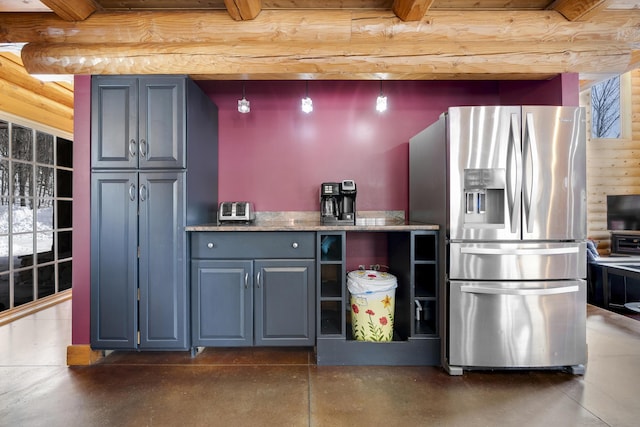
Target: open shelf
x,y
331,318
425,317
331,284
413,259
331,281
426,280
425,247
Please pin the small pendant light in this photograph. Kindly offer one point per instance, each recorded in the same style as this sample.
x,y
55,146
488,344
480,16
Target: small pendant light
x,y
243,105
307,103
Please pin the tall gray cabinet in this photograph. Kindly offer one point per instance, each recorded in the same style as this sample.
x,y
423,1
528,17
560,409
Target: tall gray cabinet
x,y
154,157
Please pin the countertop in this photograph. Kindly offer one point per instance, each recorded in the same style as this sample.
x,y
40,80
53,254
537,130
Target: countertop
x,y
310,221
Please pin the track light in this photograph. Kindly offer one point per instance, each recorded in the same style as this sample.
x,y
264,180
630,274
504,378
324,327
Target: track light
x,y
307,103
243,105
381,101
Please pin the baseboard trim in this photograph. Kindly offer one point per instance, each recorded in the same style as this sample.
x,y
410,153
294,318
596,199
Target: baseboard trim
x,y
33,307
82,355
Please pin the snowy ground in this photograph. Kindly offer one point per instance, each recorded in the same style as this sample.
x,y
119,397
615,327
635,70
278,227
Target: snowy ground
x,y
23,223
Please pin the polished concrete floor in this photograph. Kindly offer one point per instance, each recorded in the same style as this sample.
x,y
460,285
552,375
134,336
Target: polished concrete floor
x,y
253,387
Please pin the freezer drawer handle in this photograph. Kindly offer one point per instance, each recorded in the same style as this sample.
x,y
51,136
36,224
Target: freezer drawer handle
x,y
546,251
510,291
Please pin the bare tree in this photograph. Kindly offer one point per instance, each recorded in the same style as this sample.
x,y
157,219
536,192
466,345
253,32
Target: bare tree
x,y
4,163
605,105
22,149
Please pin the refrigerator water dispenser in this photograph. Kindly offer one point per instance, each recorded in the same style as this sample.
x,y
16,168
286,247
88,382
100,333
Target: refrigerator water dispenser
x,y
484,192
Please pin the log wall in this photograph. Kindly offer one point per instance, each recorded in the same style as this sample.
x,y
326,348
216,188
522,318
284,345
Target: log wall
x,y
613,166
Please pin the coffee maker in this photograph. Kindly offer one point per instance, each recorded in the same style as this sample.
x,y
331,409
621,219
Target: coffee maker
x,y
338,202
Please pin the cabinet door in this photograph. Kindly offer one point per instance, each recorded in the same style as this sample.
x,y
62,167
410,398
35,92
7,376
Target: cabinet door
x,y
114,235
162,122
222,303
162,261
114,122
284,302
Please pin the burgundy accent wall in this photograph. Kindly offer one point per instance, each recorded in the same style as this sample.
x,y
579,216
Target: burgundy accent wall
x,y
81,243
277,157
560,90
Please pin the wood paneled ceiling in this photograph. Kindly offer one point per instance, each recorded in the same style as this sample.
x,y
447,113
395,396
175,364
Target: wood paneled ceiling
x,y
327,39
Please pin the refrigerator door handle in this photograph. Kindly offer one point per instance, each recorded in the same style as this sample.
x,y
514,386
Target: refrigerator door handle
x,y
493,290
530,187
513,194
522,251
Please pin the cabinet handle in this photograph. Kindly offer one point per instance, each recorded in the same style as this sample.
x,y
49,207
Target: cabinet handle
x,y
210,245
294,245
132,192
246,280
258,280
143,148
143,193
132,148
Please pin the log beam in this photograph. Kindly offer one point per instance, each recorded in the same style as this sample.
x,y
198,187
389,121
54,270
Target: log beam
x,y
576,10
32,106
71,10
25,96
12,71
168,27
334,60
322,43
319,26
411,10
242,10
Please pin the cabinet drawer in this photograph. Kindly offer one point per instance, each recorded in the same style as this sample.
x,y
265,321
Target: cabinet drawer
x,y
258,244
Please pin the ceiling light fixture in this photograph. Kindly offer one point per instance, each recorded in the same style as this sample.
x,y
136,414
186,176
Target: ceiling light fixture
x,y
307,103
243,105
381,101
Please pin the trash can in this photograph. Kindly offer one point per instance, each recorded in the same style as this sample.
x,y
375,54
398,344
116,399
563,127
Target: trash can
x,y
372,304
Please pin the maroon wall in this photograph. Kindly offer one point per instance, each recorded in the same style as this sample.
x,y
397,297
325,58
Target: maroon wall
x,y
80,276
561,90
276,156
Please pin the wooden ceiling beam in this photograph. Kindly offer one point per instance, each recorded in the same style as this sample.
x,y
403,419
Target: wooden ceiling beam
x,y
579,10
12,71
411,10
71,10
322,58
243,10
30,105
325,42
326,26
168,27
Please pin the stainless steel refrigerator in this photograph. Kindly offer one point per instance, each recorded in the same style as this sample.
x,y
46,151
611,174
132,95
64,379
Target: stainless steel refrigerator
x,y
507,185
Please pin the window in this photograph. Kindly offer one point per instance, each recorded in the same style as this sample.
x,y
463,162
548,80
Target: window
x,y
35,214
608,108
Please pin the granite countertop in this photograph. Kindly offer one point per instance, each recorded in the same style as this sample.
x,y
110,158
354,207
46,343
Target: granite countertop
x,y
310,221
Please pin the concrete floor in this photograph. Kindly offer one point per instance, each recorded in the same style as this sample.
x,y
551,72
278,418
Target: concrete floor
x,y
267,387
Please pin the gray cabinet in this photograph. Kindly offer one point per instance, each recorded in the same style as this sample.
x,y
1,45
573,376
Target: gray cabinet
x,y
284,302
114,306
138,260
138,122
253,288
222,306
150,178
